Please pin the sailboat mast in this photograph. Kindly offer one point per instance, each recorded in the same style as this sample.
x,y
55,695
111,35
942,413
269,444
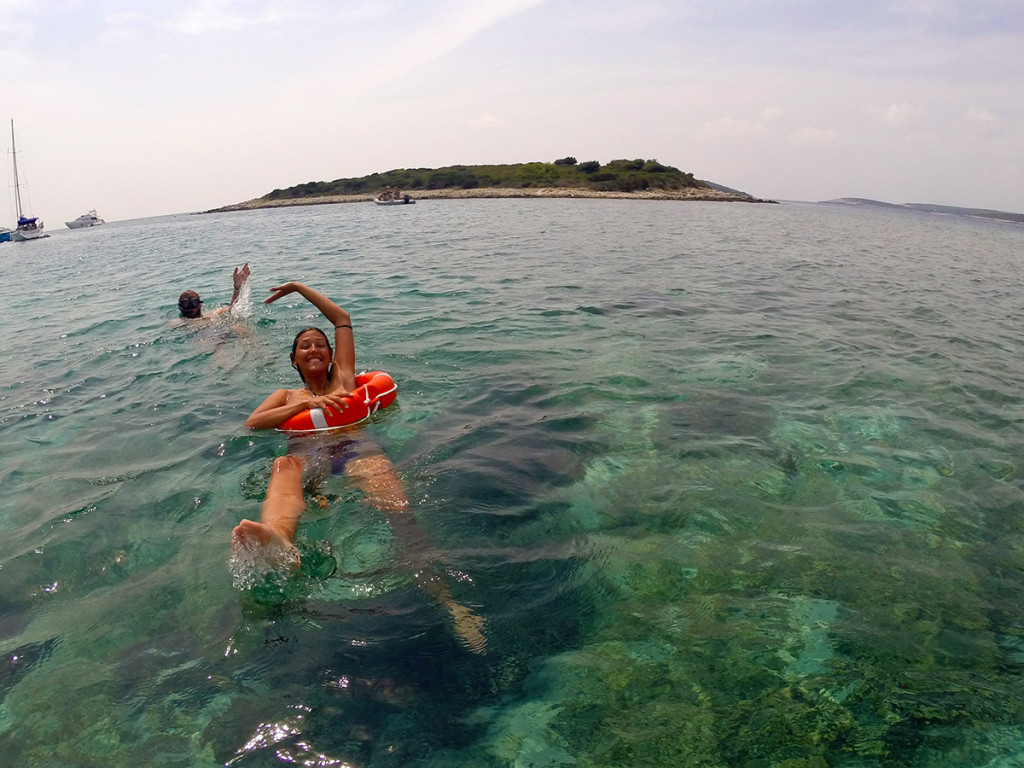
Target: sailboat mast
x,y
17,185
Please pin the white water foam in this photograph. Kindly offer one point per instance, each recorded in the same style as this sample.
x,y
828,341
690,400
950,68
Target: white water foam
x,y
251,563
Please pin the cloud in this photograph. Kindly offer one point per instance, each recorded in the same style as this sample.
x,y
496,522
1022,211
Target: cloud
x,y
961,18
898,115
232,15
809,134
976,115
466,20
943,9
730,127
484,121
365,9
14,61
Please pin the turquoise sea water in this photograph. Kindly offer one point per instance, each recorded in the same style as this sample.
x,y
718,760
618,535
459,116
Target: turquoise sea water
x,y
730,485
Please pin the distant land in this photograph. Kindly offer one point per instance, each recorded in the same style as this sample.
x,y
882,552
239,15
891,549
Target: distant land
x,y
949,210
566,177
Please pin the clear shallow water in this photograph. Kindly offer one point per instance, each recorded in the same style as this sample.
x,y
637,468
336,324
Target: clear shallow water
x,y
730,485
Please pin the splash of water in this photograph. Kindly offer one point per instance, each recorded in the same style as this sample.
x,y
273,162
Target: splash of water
x,y
250,563
242,307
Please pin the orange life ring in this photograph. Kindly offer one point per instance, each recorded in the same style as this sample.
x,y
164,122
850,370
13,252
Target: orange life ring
x,y
374,390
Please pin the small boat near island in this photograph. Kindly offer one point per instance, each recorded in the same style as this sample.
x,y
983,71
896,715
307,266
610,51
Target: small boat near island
x,y
89,219
28,227
392,196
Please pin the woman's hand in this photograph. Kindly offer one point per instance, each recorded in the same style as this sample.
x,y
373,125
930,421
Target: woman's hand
x,y
331,402
282,290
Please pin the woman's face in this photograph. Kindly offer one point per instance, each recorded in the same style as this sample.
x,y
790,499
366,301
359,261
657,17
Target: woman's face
x,y
312,353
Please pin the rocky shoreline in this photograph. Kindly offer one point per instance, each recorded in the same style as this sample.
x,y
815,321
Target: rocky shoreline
x,y
705,195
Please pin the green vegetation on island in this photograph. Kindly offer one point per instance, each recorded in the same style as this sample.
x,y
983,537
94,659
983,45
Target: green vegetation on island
x,y
616,176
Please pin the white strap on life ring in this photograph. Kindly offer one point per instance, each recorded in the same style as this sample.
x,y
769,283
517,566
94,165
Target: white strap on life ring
x,y
316,415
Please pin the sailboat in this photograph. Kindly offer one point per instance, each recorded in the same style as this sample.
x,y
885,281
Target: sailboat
x,y
28,227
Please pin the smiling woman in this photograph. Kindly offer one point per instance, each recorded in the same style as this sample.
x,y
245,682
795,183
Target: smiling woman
x,y
329,378
327,374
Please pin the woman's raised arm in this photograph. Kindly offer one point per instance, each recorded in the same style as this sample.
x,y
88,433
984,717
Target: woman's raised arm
x,y
335,314
344,376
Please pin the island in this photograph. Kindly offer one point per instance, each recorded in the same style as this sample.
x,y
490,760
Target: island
x,y
945,210
565,177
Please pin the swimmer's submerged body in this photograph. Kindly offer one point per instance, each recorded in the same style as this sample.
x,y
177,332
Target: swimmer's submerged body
x,y
211,327
328,374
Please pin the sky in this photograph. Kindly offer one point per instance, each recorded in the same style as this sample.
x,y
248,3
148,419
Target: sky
x,y
142,108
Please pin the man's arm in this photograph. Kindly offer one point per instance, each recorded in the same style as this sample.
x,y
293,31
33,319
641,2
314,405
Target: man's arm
x,y
239,277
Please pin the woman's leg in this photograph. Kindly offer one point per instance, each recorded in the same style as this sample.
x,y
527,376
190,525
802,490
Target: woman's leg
x,y
375,475
282,507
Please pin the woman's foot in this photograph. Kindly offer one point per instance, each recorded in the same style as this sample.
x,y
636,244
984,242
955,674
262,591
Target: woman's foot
x,y
469,627
266,543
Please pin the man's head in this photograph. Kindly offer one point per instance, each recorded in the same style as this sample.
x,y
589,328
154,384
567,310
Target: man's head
x,y
190,305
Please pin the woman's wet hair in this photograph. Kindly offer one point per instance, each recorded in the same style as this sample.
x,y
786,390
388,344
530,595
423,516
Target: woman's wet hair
x,y
295,346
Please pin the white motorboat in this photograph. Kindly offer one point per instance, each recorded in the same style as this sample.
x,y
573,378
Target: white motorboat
x,y
406,200
89,219
28,227
392,196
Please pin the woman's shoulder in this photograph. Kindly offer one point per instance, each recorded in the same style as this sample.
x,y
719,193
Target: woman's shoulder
x,y
282,396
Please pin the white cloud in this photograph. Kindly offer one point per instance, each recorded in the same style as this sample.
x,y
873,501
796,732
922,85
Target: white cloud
x,y
898,115
367,9
728,127
463,21
811,135
976,115
14,61
945,9
232,15
738,128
